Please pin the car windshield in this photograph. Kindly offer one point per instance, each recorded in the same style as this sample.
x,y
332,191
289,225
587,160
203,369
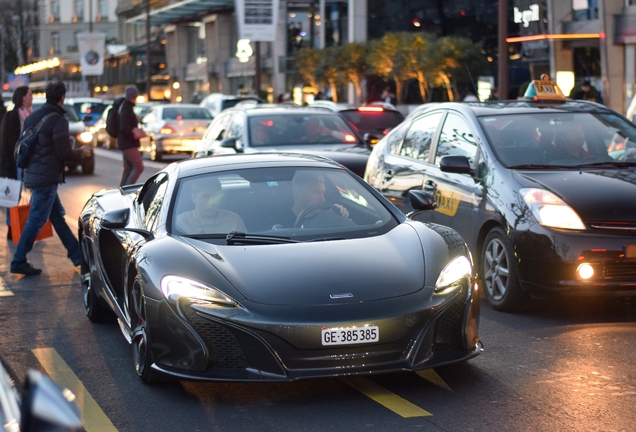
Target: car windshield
x,y
545,140
373,119
186,114
295,129
292,203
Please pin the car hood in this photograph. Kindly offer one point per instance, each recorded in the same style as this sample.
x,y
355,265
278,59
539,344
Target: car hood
x,y
596,195
317,273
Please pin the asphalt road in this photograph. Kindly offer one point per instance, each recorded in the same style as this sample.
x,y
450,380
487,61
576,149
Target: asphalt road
x,y
562,365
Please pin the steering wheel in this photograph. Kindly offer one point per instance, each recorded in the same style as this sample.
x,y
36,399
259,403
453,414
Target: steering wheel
x,y
303,215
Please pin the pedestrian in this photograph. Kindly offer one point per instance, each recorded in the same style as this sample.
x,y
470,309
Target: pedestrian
x,y
43,175
10,130
388,96
128,138
3,109
585,92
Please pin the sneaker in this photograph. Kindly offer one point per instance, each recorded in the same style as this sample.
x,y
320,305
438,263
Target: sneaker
x,y
26,269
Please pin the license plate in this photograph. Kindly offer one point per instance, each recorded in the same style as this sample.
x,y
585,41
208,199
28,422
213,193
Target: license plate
x,y
350,335
630,251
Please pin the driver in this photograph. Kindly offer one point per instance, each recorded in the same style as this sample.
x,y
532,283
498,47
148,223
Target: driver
x,y
314,131
570,142
309,190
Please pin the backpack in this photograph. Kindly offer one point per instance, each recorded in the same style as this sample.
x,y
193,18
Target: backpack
x,y
112,119
26,142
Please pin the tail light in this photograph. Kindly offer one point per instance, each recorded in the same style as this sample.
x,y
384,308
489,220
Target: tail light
x,y
371,109
167,130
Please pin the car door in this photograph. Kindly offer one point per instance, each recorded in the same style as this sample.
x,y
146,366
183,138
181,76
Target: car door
x,y
408,160
217,132
455,194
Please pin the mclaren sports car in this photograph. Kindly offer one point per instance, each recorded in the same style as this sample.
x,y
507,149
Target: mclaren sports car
x,y
275,267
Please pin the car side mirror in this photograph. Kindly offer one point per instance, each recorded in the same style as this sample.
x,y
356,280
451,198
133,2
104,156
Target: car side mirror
x,y
116,219
455,164
45,406
421,201
229,143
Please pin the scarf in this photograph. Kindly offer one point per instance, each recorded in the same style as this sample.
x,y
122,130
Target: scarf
x,y
24,113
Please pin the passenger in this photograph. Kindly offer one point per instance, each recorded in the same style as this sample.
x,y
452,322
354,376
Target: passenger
x,y
570,142
315,132
261,135
206,217
308,188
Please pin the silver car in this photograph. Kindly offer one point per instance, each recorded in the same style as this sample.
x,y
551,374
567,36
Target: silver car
x,y
173,129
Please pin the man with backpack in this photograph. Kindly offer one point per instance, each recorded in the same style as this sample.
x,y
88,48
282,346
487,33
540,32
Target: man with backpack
x,y
128,137
45,171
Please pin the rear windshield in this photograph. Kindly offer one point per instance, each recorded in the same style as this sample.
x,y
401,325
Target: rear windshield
x,y
294,129
90,107
373,121
186,114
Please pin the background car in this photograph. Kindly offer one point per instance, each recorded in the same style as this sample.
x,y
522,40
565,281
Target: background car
x,y
80,136
90,110
294,294
36,404
537,220
217,102
173,129
284,129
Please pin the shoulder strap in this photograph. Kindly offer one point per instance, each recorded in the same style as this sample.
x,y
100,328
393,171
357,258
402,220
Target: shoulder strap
x,y
41,122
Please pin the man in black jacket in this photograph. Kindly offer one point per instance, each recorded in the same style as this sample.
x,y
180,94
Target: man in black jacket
x,y
128,138
43,175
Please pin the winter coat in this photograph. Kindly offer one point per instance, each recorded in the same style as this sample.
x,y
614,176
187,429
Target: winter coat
x,y
52,149
9,134
127,122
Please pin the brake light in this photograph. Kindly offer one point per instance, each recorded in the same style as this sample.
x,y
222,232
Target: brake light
x,y
167,130
371,108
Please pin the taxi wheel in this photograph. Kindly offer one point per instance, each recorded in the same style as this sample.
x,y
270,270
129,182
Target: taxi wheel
x,y
499,273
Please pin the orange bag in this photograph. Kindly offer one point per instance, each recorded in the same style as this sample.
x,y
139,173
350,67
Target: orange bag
x,y
19,215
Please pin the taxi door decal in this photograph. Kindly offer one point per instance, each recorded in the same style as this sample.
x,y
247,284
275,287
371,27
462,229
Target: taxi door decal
x,y
446,203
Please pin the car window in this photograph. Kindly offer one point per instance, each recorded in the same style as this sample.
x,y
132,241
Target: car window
x,y
561,139
417,144
71,113
217,127
456,139
90,107
186,114
262,200
236,128
376,121
150,199
303,128
395,138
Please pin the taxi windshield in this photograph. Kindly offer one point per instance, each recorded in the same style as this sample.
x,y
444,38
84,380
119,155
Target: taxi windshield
x,y
545,140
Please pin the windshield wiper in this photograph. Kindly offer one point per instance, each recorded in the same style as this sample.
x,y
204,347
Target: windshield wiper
x,y
240,237
540,166
612,163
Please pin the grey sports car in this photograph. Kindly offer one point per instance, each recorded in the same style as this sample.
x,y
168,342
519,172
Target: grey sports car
x,y
274,267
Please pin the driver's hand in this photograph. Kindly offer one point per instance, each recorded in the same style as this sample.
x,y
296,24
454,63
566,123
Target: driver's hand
x,y
343,211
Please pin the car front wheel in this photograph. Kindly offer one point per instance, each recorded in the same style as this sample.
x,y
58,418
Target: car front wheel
x,y
141,345
499,273
96,311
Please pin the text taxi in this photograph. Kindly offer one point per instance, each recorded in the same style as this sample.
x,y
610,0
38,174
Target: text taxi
x,y
543,190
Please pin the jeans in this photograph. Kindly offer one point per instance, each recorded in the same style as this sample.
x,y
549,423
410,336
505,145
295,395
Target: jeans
x,y
133,166
45,204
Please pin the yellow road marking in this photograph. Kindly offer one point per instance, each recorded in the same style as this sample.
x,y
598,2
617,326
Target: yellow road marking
x,y
432,376
93,417
386,398
3,291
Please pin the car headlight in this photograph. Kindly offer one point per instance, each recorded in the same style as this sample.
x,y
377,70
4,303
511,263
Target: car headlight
x,y
85,137
456,270
550,210
175,286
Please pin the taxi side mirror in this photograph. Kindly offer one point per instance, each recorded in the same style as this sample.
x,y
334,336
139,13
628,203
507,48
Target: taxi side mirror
x,y
455,164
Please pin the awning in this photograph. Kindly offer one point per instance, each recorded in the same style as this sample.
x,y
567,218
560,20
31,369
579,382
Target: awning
x,y
187,10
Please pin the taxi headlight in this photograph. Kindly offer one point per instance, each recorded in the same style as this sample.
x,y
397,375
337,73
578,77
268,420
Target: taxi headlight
x,y
175,287
456,270
550,210
85,137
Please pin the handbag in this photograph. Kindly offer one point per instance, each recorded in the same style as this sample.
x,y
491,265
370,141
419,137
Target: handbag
x,y
9,192
19,215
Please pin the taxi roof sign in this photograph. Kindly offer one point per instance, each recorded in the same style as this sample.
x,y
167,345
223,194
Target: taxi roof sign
x,y
544,90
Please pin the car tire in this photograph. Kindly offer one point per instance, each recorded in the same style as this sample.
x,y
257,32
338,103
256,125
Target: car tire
x,y
95,310
154,154
499,273
141,344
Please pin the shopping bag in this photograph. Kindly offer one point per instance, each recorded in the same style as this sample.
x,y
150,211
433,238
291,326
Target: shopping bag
x,y
9,192
19,215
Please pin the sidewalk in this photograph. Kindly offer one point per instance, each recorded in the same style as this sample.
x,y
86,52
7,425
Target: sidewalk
x,y
48,254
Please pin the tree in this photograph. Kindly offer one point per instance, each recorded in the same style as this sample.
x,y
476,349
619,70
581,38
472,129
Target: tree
x,y
351,61
454,57
386,59
327,71
307,60
416,60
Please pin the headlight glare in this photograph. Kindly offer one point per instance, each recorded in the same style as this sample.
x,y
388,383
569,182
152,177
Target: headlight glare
x,y
550,210
86,137
175,286
459,268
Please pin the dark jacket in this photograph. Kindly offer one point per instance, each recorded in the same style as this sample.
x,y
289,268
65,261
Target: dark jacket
x,y
9,134
127,122
52,149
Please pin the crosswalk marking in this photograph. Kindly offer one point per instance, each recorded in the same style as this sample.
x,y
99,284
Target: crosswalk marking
x,y
4,292
386,398
93,417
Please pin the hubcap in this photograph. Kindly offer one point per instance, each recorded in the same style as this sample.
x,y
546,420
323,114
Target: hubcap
x,y
496,270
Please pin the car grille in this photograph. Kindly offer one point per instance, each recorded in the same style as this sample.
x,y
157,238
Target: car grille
x,y
448,328
625,271
626,228
223,348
